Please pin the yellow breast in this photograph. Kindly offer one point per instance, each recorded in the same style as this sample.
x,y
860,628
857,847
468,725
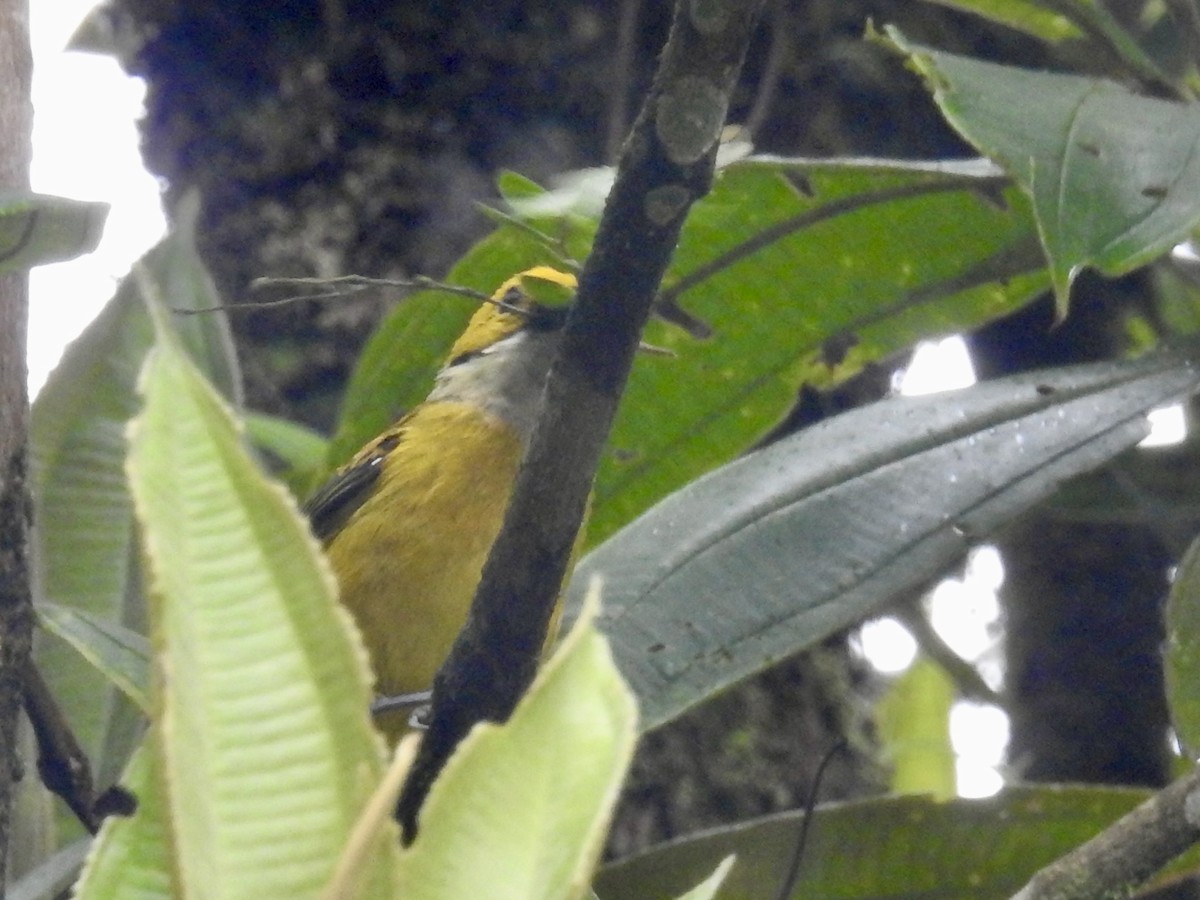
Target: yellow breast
x,y
409,558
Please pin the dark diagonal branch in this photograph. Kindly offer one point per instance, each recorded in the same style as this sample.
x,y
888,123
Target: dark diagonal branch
x,y
665,166
1127,852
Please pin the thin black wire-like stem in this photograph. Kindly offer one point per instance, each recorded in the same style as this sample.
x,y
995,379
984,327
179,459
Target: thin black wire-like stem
x,y
788,884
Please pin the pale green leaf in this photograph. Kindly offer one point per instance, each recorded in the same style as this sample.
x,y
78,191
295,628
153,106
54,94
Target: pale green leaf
x,y
794,542
297,446
521,810
914,726
265,749
54,876
83,534
38,228
131,857
293,452
120,654
582,193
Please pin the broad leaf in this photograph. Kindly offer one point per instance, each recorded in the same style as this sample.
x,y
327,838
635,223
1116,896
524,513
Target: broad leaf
x,y
914,727
521,810
120,654
885,849
83,514
131,857
263,745
801,273
83,533
296,453
783,547
1113,175
37,229
54,877
708,888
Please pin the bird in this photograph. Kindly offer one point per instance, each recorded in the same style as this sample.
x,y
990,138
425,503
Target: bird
x,y
408,522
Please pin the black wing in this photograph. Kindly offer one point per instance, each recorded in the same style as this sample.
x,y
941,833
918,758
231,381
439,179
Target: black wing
x,y
346,490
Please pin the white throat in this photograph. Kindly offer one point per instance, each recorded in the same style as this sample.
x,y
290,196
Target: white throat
x,y
506,379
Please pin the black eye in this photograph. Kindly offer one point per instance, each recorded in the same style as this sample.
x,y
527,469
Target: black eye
x,y
511,301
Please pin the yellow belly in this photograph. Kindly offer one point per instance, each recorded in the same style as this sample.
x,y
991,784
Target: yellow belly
x,y
409,559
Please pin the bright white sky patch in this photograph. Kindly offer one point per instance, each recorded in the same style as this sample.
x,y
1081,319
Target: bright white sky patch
x,y
888,645
964,614
979,734
1168,426
85,146
938,366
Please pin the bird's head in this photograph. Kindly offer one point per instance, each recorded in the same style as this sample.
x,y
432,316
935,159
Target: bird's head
x,y
501,359
513,309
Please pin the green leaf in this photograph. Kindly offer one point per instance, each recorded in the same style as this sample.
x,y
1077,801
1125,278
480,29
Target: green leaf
x,y
296,451
83,514
131,857
792,269
1113,175
787,545
120,654
914,725
1024,15
521,809
176,274
37,228
1183,651
84,518
807,284
902,847
264,745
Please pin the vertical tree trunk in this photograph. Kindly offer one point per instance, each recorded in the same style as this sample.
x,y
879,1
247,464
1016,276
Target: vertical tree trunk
x,y
15,610
1084,638
1082,602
